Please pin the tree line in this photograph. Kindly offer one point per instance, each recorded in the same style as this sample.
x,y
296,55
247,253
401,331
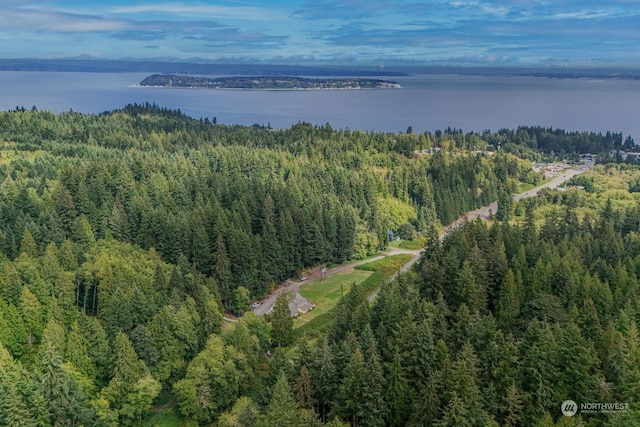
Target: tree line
x,y
247,206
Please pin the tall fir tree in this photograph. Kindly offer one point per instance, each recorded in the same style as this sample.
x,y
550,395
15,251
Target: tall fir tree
x,y
281,323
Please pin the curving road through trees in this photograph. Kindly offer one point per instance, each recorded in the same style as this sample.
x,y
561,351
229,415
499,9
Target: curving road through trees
x,y
484,212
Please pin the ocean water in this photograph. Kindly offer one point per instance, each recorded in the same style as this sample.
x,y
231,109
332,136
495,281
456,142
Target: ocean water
x,y
425,102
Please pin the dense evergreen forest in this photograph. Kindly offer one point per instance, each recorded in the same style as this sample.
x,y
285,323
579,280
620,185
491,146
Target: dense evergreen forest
x,y
126,236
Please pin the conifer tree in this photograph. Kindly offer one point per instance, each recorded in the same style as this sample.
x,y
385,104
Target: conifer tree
x,y
15,387
65,398
455,414
281,323
28,245
513,407
132,389
282,409
396,393
324,378
303,390
353,394
76,352
426,400
32,313
244,413
507,306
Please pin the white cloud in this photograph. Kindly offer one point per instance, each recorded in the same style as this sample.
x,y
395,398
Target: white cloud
x,y
36,19
587,14
240,12
492,31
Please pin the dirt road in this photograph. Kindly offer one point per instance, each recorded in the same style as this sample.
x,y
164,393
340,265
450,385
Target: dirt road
x,y
556,182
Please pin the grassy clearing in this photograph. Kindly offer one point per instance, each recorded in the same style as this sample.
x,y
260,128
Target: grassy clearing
x,y
412,245
386,266
333,265
381,270
524,186
326,294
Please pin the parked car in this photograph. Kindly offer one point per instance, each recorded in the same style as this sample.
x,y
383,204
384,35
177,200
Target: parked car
x,y
255,304
303,278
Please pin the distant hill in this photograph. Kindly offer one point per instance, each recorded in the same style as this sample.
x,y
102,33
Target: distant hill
x,y
201,68
104,66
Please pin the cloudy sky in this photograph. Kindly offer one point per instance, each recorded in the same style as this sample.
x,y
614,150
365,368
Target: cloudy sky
x,y
459,32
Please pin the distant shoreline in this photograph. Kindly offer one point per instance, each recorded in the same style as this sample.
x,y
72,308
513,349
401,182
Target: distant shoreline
x,y
259,89
266,83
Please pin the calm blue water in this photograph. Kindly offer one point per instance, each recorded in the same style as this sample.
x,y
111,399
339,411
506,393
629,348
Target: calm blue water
x,y
424,102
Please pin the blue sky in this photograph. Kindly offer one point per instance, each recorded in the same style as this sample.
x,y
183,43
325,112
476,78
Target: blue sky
x,y
338,32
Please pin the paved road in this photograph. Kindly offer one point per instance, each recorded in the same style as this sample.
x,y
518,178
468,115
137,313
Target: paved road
x,y
556,182
484,212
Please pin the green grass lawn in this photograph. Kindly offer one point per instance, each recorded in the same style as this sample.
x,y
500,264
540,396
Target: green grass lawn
x,y
332,265
524,186
326,293
379,271
386,266
413,245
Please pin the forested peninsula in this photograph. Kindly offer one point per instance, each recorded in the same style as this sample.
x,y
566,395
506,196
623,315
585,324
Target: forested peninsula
x,y
266,82
134,242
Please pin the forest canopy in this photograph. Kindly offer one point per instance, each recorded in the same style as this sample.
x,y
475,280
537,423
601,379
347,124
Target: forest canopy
x,y
126,236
